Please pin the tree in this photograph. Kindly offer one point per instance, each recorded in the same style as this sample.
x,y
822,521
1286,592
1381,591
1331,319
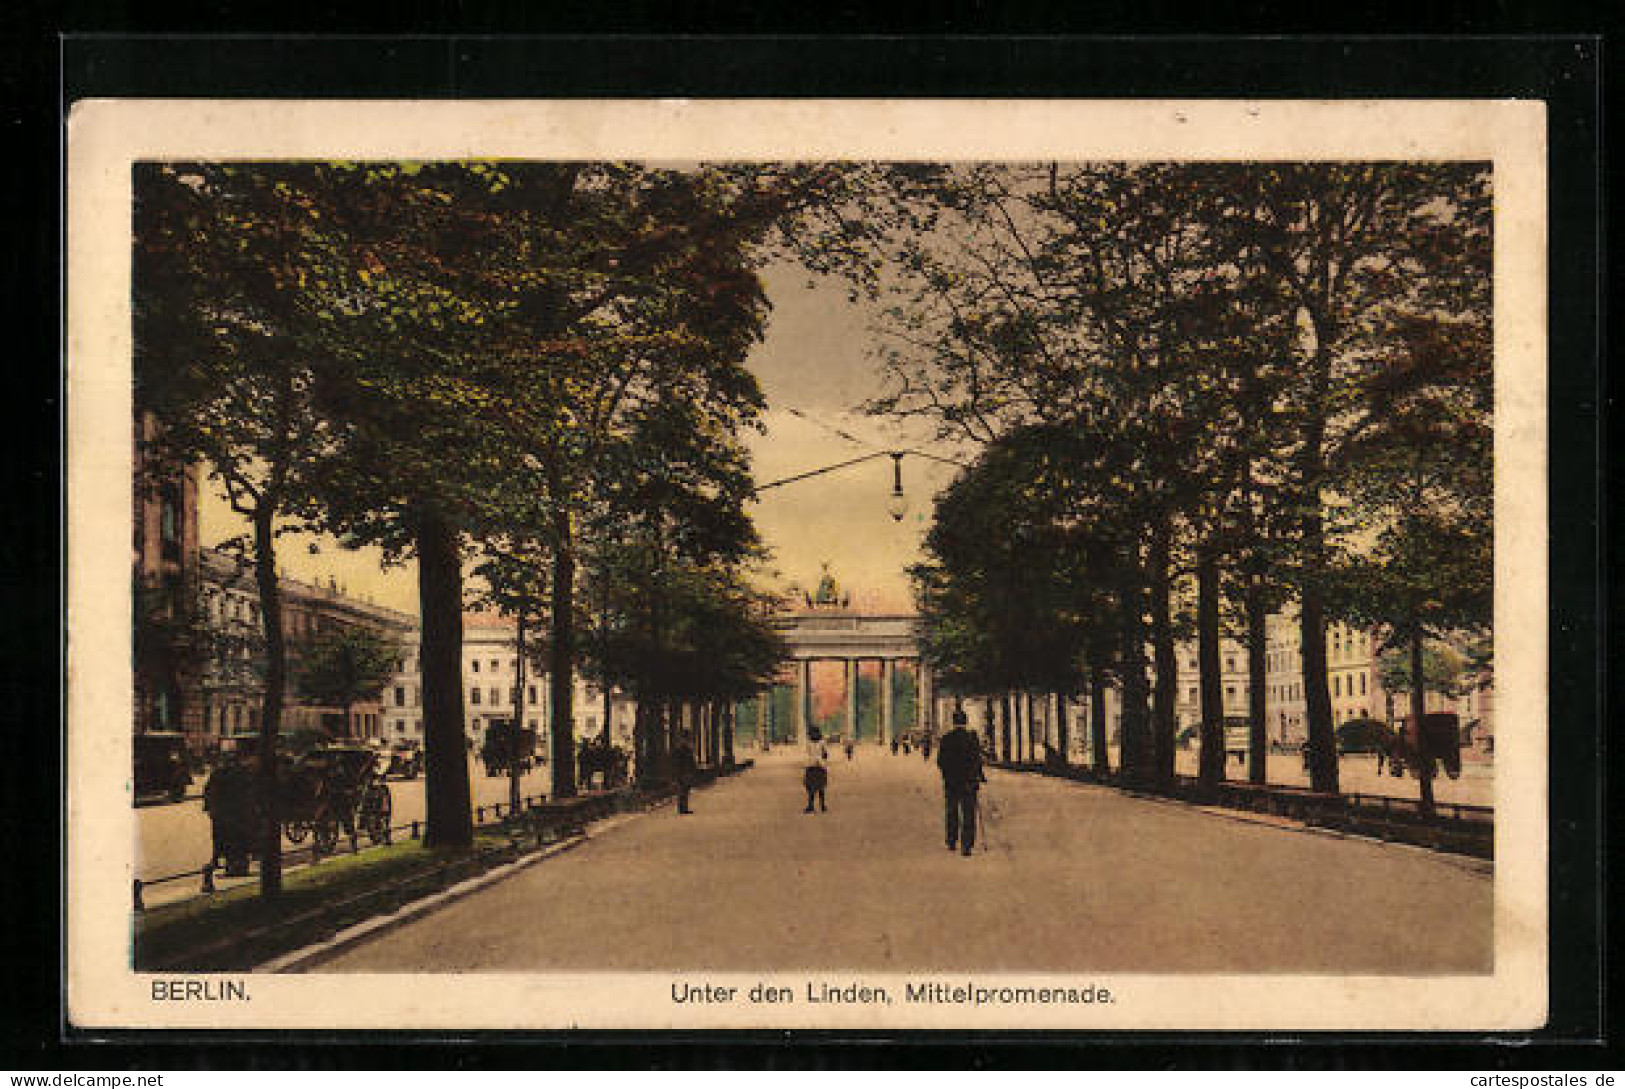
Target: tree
x,y
515,574
1443,670
345,665
217,258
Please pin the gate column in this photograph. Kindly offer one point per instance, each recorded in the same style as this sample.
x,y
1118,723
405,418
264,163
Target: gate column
x,y
850,668
803,699
888,729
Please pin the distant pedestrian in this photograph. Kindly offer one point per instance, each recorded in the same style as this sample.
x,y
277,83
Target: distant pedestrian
x,y
816,776
682,770
894,746
959,759
848,747
925,747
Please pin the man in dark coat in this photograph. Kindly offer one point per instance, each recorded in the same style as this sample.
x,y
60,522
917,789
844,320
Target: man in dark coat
x,y
228,799
959,759
682,770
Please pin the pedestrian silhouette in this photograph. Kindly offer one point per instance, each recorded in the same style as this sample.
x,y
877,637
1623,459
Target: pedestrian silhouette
x,y
682,770
816,776
959,760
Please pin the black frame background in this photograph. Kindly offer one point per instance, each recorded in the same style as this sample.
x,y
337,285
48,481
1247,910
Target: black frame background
x,y
1564,71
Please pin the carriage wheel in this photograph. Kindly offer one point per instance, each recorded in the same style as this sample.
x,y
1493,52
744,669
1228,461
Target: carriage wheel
x,y
375,812
296,831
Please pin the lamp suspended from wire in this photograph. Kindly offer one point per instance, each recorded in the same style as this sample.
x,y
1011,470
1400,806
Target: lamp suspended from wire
x,y
897,502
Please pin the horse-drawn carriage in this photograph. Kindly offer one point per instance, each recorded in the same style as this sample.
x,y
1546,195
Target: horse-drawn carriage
x,y
1439,740
611,762
507,746
333,787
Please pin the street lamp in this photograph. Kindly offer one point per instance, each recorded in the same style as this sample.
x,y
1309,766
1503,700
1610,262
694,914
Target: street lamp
x,y
897,502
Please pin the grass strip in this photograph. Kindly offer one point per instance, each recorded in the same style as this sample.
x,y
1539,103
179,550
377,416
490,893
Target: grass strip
x,y
236,929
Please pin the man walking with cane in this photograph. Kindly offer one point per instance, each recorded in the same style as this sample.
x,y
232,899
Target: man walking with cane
x,y
959,759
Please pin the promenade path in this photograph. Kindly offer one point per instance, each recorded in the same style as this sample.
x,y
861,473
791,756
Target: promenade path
x,y
1077,878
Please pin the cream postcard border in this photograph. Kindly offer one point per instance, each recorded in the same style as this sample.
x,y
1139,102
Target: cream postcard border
x,y
106,137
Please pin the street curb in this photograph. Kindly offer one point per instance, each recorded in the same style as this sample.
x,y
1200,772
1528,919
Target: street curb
x,y
313,955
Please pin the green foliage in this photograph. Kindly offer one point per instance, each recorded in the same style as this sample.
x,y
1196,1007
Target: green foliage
x,y
345,665
1443,670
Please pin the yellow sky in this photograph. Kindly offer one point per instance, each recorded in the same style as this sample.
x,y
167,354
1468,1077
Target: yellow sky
x,y
814,359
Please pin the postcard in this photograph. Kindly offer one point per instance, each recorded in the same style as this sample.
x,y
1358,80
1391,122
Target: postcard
x,y
868,565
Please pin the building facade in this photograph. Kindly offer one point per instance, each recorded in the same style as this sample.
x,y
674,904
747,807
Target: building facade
x,y
491,693
232,685
168,651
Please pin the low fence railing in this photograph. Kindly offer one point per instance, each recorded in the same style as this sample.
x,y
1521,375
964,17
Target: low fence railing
x,y
1454,826
537,817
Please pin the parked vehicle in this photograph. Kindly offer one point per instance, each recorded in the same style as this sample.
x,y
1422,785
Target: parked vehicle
x,y
405,759
162,765
1438,740
1364,735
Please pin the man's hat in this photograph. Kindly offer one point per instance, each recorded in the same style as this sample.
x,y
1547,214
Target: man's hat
x,y
959,718
813,734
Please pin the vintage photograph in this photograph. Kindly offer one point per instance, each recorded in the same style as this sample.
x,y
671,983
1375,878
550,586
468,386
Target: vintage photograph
x,y
760,567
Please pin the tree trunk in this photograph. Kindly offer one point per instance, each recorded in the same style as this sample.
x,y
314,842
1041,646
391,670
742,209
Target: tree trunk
x,y
1164,720
1099,756
1028,729
445,747
276,675
988,727
643,741
514,792
1257,681
1004,726
728,736
1134,733
1323,772
1211,767
1424,758
1063,739
561,660
1317,694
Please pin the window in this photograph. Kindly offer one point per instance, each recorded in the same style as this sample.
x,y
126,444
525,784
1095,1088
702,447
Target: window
x,y
400,725
533,693
1229,691
473,695
400,696
476,664
513,665
1362,684
495,665
417,696
1337,686
236,719
532,724
1229,664
496,696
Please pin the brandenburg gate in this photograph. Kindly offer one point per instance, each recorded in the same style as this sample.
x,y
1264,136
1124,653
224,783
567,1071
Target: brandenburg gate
x,y
827,629
852,638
